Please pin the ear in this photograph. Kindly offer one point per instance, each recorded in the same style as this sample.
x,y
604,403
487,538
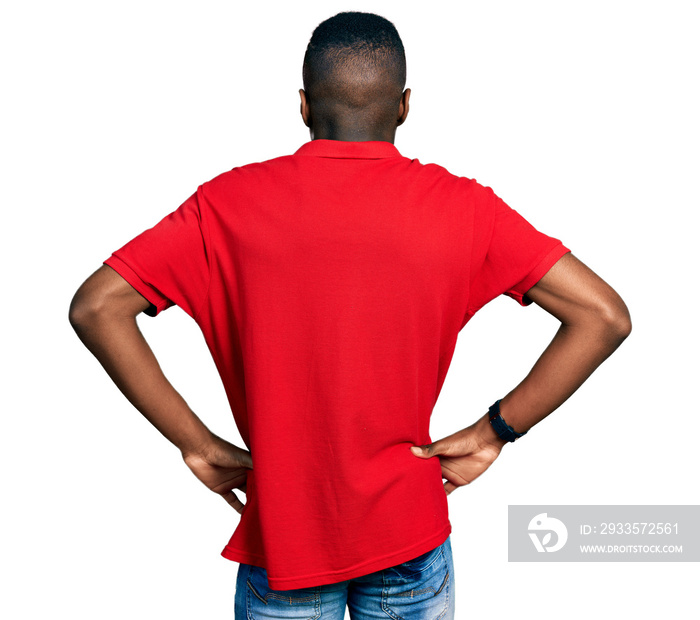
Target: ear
x,y
304,109
403,107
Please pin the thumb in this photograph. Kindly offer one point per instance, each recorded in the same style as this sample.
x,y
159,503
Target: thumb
x,y
453,445
421,451
425,451
245,458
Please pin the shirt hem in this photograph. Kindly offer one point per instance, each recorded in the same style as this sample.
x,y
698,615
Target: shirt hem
x,y
359,570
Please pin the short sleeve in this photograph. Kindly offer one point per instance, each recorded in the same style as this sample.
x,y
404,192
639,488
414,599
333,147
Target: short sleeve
x,y
169,263
509,255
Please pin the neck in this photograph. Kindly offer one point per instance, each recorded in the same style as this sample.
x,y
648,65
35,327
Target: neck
x,y
353,133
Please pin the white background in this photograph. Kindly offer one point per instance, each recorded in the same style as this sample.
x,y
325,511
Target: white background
x,y
583,116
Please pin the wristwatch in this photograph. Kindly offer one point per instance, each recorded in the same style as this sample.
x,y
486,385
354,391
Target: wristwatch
x,y
503,430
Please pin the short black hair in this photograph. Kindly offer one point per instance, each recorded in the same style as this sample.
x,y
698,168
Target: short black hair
x,y
355,59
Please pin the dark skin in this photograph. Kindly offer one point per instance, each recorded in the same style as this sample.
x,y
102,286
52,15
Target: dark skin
x,y
325,127
594,322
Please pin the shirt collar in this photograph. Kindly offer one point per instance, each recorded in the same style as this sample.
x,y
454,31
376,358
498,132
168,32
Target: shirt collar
x,y
341,149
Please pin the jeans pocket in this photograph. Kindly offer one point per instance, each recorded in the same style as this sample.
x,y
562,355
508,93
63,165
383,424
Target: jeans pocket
x,y
263,603
419,588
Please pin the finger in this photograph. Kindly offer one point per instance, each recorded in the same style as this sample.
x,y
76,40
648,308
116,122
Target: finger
x,y
426,451
447,446
245,459
452,476
421,451
449,487
232,499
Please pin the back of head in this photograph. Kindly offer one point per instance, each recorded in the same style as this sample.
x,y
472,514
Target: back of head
x,y
355,70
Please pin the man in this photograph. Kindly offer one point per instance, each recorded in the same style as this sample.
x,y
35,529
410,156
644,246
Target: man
x,y
330,286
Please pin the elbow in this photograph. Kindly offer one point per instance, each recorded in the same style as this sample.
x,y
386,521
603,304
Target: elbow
x,y
85,309
80,312
616,322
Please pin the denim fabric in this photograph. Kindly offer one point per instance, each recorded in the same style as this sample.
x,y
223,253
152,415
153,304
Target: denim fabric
x,y
420,589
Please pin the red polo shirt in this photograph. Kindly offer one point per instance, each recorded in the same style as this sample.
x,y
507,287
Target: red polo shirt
x,y
330,286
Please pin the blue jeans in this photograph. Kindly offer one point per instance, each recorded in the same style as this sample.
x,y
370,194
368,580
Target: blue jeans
x,y
420,589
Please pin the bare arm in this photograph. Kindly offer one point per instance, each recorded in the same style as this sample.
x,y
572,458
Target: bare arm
x,y
103,313
594,322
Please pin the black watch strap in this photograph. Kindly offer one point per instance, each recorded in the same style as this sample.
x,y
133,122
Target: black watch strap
x,y
503,430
